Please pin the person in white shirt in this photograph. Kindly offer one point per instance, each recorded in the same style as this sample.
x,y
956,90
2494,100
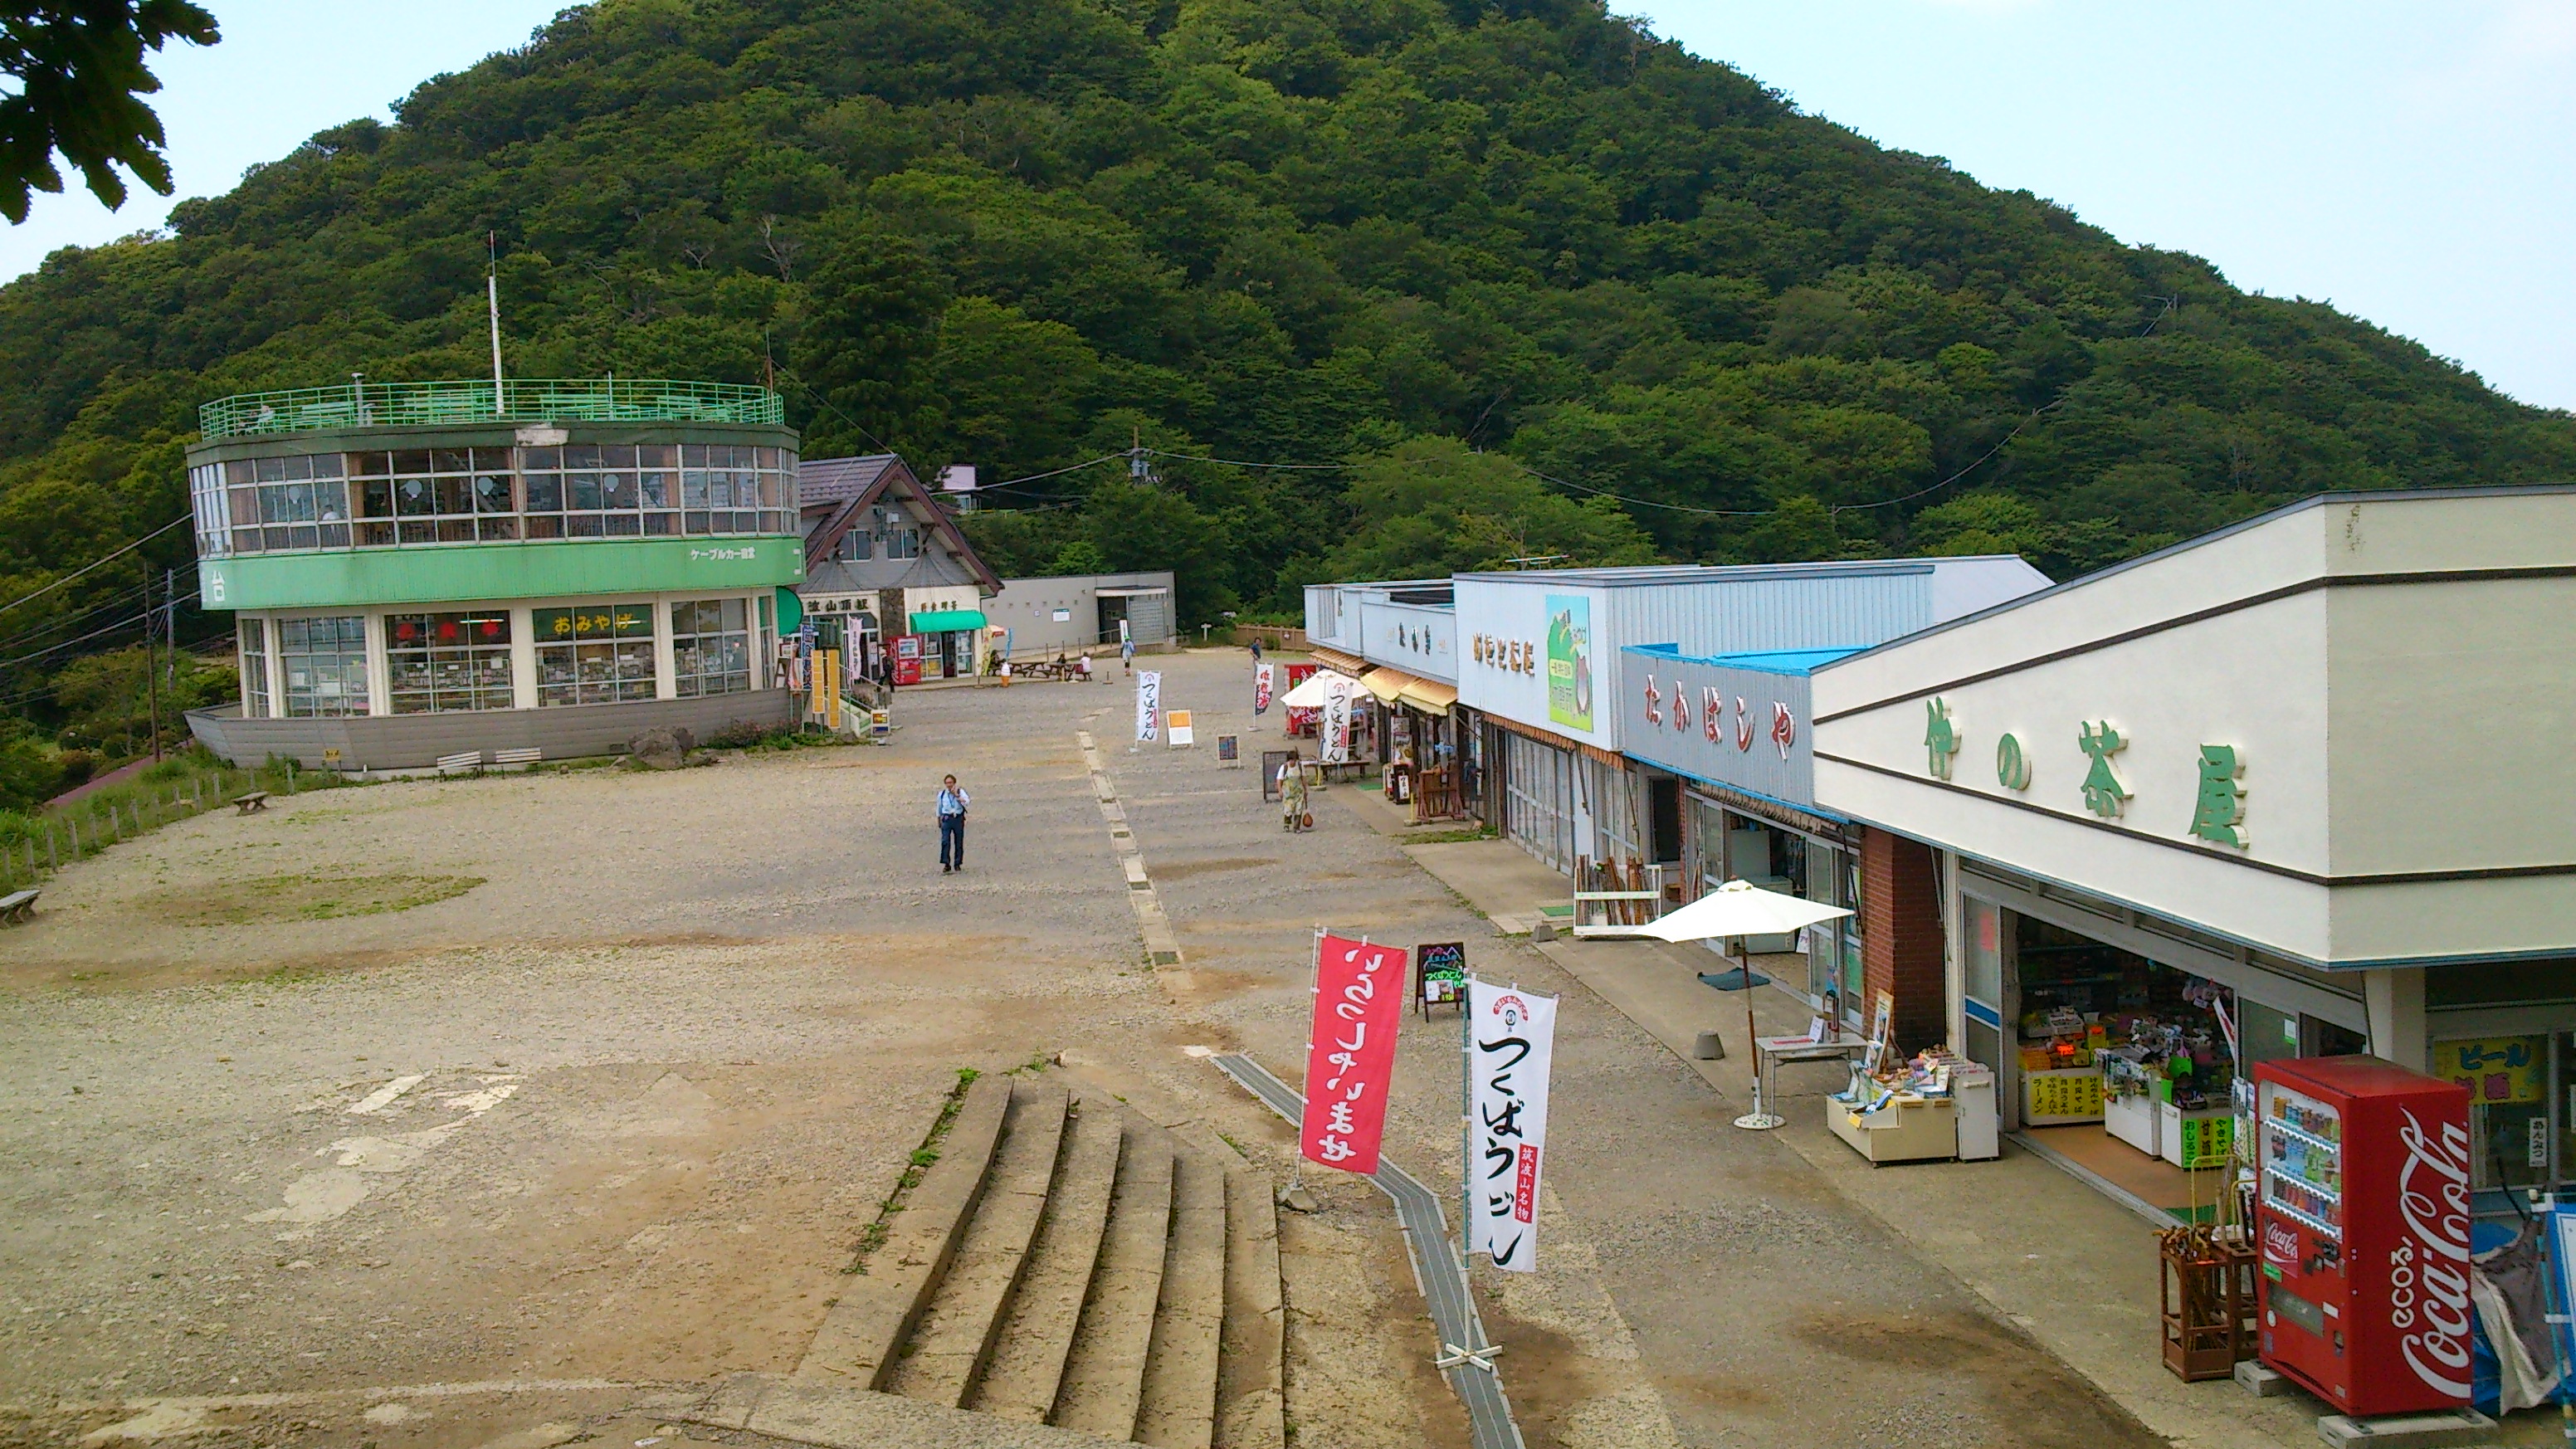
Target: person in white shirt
x,y
953,801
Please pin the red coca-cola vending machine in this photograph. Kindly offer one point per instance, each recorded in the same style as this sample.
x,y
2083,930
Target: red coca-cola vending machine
x,y
907,659
2363,1223
1301,721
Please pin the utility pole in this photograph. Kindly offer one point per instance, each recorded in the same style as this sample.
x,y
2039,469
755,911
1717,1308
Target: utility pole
x,y
492,296
170,621
1137,471
151,668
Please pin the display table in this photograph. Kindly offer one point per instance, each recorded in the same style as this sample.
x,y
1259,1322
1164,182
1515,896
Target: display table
x,y
1923,1129
1770,1051
2134,1119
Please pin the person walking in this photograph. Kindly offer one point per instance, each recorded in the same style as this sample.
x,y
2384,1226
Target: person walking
x,y
953,801
1127,654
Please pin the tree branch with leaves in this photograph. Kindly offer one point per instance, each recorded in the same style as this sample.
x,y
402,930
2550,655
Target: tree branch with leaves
x,y
76,72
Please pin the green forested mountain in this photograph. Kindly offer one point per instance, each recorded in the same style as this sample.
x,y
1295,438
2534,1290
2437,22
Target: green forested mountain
x,y
1395,233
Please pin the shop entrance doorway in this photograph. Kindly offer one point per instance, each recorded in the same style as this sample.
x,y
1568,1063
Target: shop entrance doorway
x,y
2123,1066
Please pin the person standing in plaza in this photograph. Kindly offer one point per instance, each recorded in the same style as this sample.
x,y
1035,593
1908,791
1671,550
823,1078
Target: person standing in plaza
x,y
1256,648
953,801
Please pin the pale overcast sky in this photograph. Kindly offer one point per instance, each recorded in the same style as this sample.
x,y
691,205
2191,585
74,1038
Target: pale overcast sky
x,y
2394,158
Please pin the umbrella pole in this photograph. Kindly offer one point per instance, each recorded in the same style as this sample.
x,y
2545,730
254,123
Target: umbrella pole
x,y
1760,1119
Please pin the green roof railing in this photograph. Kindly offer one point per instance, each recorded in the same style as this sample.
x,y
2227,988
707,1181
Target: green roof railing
x,y
521,400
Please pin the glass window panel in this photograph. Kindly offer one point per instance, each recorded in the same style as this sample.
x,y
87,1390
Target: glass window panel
x,y
455,494
451,460
581,490
583,525
415,497
325,664
661,525
720,490
456,530
496,460
335,535
545,460
498,528
616,490
622,525
413,460
693,488
492,493
693,455
545,492
375,534
697,523
769,458
330,500
298,467
545,525
617,455
653,489
657,455
581,455
419,531
379,493
271,470
245,505
370,465
240,470
325,465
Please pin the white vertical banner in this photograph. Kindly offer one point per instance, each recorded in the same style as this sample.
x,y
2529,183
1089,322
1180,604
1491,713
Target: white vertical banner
x,y
1511,1037
1334,748
1149,705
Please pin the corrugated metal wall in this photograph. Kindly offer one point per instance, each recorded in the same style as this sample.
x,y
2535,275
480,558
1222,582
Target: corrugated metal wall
x,y
1741,615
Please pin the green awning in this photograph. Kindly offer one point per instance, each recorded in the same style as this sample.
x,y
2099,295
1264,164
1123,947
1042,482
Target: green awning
x,y
947,621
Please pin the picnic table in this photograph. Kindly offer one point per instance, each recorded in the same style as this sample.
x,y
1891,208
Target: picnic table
x,y
17,906
252,803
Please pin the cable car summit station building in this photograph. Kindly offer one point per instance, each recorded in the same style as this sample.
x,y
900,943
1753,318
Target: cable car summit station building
x,y
422,570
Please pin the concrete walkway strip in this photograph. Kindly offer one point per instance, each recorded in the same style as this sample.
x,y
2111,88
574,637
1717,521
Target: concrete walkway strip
x,y
1162,947
1437,1269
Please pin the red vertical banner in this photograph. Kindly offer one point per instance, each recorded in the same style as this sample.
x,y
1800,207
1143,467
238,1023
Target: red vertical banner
x,y
1350,1051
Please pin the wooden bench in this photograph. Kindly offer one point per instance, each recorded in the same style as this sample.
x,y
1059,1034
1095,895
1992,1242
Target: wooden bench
x,y
252,803
528,756
17,906
467,763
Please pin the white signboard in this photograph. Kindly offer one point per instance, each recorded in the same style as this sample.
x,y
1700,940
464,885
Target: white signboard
x,y
1149,705
1183,735
1511,1037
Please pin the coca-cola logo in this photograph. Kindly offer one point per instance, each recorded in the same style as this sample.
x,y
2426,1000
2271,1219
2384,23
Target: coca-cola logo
x,y
2280,1243
2428,1270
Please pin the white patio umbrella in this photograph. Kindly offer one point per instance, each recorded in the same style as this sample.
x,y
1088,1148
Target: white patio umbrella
x,y
1315,689
1739,909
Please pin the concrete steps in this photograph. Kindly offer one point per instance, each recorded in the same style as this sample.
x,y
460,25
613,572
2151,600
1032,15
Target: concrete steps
x,y
1104,1376
1067,1263
1028,1365
953,1342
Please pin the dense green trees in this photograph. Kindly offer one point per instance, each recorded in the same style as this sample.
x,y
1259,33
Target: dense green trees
x,y
1438,242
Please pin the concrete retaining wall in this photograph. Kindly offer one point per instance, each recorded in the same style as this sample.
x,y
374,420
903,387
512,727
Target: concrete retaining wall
x,y
415,741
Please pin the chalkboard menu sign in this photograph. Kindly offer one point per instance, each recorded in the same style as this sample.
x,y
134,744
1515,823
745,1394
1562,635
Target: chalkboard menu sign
x,y
1441,967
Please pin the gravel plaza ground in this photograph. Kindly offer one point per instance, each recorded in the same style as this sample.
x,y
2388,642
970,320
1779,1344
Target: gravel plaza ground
x,y
464,1112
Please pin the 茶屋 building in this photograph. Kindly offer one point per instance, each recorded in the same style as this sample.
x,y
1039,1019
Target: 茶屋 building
x,y
421,570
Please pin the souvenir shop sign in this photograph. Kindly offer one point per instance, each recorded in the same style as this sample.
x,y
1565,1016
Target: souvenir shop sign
x,y
1511,1041
1350,1052
1336,741
1722,720
1149,706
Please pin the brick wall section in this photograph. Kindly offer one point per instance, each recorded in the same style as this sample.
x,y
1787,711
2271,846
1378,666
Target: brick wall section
x,y
1901,945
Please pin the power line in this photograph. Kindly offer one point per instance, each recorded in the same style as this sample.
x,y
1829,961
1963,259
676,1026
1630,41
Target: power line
x,y
1241,463
1963,472
98,563
142,618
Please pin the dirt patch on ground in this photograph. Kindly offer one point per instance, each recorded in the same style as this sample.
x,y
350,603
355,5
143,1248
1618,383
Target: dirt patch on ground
x,y
2054,1409
310,897
1189,868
